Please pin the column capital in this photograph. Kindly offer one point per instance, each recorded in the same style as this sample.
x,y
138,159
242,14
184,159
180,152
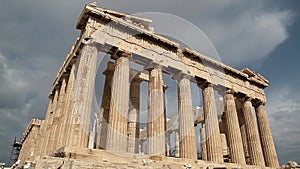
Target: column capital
x,y
57,87
247,98
51,96
152,66
89,41
227,91
230,91
119,53
73,60
181,76
65,75
257,103
204,85
137,78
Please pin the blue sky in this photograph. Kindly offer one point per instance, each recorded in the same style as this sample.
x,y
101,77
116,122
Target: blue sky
x,y
35,37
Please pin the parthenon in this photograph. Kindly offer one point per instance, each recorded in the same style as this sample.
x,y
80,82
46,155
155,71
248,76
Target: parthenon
x,y
242,125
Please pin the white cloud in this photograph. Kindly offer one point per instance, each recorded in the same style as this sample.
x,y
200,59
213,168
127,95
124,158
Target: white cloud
x,y
283,112
250,35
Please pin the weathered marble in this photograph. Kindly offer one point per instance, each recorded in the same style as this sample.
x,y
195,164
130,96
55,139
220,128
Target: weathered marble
x,y
254,146
203,143
212,131
84,90
156,118
187,136
67,115
50,123
105,106
233,130
118,111
177,143
57,121
266,137
134,116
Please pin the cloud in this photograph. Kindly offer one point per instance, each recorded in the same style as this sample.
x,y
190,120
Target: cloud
x,y
283,112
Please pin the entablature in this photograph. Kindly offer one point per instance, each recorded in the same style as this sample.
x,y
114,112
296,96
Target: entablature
x,y
148,48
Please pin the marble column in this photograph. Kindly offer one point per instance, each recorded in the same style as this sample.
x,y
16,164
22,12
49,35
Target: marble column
x,y
105,105
225,151
165,87
56,118
186,120
234,137
156,118
141,146
65,131
203,143
57,122
134,116
44,132
84,90
254,146
212,131
168,144
118,115
245,142
50,123
266,137
177,144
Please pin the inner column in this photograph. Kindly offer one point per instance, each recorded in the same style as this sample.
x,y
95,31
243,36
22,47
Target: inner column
x,y
134,116
156,117
233,131
187,136
118,115
254,146
105,105
212,131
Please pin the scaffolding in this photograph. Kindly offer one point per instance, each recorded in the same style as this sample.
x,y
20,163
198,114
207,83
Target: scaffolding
x,y
15,151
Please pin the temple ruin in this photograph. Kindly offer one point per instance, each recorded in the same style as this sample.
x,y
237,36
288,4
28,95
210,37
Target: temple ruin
x,y
237,137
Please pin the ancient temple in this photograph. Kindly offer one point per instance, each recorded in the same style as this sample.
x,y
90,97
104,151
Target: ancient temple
x,y
242,127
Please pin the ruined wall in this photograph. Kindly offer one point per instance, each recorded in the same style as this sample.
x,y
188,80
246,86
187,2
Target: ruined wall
x,y
29,142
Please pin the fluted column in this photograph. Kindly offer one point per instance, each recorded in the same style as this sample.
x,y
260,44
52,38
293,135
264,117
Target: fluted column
x,y
57,122
156,118
64,130
56,118
177,144
72,116
105,105
165,87
44,132
50,123
118,115
212,131
84,90
254,146
187,136
266,137
134,117
233,130
245,142
203,143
